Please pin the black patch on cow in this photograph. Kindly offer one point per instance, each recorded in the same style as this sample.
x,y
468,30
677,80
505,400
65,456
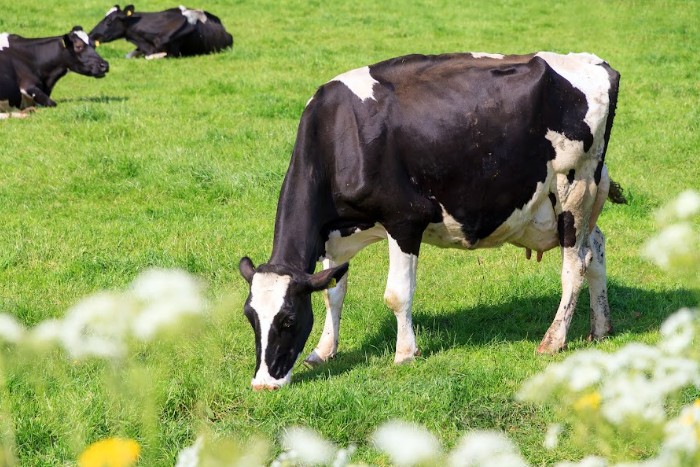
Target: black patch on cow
x,y
566,229
553,199
598,172
570,176
565,108
252,317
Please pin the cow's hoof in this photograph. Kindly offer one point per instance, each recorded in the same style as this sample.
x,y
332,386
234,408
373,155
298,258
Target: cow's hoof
x,y
402,358
549,348
592,337
314,360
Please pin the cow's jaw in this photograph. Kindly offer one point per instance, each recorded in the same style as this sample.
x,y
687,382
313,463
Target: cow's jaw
x,y
268,292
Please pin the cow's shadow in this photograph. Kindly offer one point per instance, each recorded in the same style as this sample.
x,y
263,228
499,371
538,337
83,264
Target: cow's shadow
x,y
634,312
96,99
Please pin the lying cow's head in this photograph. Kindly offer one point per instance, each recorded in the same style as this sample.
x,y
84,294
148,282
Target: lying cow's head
x,y
279,310
83,57
113,26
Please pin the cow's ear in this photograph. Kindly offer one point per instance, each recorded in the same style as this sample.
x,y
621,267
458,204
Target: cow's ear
x,y
247,269
129,10
67,42
327,278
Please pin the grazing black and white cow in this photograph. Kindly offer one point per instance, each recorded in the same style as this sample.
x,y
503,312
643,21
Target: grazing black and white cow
x,y
461,150
177,32
30,68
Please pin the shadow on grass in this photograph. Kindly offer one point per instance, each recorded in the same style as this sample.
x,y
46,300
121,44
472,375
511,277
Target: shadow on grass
x,y
634,312
97,99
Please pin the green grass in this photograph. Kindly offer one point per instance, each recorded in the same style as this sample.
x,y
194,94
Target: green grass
x,y
177,163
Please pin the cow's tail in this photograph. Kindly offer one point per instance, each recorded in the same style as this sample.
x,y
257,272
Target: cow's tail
x,y
616,193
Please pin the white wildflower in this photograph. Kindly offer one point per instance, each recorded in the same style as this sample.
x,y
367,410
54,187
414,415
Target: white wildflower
x,y
96,327
632,396
342,457
590,461
307,446
586,368
677,331
406,443
551,438
165,297
47,332
672,243
634,356
686,205
11,330
486,449
189,456
683,432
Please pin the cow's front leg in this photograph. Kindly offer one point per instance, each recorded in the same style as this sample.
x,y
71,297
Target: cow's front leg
x,y
328,344
38,96
400,287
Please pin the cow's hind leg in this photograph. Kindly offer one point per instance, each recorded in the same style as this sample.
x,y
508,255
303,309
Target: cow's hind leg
x,y
328,344
398,296
572,224
600,310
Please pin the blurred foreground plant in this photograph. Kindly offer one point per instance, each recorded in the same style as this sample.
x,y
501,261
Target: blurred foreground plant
x,y
108,335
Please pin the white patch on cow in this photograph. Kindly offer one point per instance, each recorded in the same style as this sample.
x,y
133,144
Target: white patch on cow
x,y
341,249
568,151
193,15
267,296
446,234
156,56
83,37
582,70
359,81
111,10
487,55
309,101
4,41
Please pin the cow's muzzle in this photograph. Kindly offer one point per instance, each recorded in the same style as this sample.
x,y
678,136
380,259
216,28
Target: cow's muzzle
x,y
102,69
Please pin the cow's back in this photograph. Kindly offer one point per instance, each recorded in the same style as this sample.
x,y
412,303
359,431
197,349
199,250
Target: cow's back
x,y
468,133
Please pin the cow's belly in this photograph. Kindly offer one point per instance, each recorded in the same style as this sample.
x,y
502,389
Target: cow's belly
x,y
533,226
342,246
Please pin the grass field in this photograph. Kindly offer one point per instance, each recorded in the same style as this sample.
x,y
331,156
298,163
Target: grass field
x,y
178,163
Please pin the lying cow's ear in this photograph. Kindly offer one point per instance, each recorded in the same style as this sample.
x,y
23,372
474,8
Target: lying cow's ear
x,y
326,278
129,10
245,266
67,42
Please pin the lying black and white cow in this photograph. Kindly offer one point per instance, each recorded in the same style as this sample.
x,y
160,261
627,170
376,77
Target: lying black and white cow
x,y
463,150
30,68
177,32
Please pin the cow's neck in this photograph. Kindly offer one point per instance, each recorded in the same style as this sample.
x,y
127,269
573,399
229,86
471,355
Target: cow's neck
x,y
305,206
49,60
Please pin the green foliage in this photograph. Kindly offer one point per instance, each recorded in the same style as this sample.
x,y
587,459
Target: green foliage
x,y
177,163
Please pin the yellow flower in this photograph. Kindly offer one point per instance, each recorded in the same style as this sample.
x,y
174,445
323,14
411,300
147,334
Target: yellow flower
x,y
110,452
588,401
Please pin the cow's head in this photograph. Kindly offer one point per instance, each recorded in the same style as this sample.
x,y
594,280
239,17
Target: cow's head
x,y
83,57
113,26
279,310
